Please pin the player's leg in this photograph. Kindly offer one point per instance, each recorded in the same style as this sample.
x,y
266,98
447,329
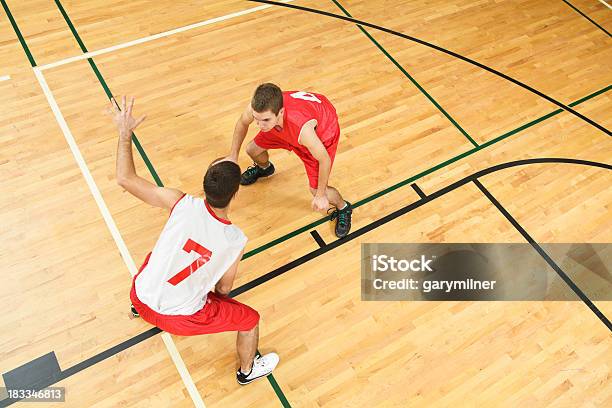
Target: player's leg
x,y
261,164
246,345
342,213
259,155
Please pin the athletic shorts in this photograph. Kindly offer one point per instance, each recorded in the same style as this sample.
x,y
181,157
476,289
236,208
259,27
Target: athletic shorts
x,y
267,141
219,314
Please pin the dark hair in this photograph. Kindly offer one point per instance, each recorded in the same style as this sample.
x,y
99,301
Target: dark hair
x,y
221,182
267,97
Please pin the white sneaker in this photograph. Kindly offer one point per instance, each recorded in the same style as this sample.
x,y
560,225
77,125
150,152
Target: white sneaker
x,y
262,366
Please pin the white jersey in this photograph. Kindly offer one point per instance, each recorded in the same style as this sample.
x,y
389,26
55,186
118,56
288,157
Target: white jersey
x,y
191,255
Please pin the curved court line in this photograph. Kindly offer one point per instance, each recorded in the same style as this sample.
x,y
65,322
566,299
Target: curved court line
x,y
473,178
587,17
443,50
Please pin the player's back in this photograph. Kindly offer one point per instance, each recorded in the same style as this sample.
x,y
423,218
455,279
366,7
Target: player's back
x,y
192,253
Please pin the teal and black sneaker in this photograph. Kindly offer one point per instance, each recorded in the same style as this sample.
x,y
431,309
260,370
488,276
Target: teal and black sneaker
x,y
343,220
252,173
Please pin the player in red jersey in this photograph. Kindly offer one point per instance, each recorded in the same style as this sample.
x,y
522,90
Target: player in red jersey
x,y
305,123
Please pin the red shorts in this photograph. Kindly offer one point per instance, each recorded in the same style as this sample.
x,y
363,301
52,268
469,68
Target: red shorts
x,y
219,314
267,141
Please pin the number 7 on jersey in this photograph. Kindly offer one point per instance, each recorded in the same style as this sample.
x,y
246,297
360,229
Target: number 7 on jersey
x,y
204,257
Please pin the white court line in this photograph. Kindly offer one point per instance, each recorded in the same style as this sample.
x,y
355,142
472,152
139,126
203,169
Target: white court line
x,y
156,36
606,4
125,254
5,78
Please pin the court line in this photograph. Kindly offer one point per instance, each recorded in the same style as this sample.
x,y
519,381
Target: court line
x,y
443,50
418,190
5,78
155,36
410,77
587,17
319,240
110,223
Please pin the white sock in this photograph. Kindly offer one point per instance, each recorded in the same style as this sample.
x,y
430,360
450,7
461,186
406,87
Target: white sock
x,y
345,205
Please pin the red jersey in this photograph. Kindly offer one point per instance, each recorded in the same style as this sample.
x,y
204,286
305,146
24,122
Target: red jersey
x,y
300,107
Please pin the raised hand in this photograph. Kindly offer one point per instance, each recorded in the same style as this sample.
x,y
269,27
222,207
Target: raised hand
x,y
122,117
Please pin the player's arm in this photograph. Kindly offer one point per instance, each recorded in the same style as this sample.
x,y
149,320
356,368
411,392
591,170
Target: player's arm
x,y
224,286
309,139
126,172
240,131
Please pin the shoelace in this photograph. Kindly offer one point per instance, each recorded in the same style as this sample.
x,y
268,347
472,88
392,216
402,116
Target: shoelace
x,y
252,170
342,216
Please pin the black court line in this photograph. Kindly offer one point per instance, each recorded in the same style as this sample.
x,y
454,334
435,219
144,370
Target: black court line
x,y
355,234
418,190
445,51
318,238
587,17
544,255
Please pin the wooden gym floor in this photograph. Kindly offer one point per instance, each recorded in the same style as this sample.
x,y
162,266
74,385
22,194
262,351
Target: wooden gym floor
x,y
417,125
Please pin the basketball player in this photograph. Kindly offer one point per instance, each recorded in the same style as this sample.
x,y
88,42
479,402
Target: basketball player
x,y
305,123
184,283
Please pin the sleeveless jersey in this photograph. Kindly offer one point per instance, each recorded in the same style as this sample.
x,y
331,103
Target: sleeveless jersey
x,y
300,107
191,255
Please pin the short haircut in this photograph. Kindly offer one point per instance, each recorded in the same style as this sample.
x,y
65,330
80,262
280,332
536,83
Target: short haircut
x,y
267,97
221,182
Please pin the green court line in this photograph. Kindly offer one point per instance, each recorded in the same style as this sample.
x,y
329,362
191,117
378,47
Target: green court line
x,y
410,77
278,391
18,32
423,173
108,92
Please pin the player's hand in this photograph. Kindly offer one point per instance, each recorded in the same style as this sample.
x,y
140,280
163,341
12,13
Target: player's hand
x,y
122,117
320,203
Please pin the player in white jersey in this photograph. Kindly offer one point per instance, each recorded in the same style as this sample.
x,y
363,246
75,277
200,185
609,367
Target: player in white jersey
x,y
184,283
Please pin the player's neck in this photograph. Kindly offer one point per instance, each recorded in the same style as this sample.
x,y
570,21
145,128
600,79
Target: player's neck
x,y
221,212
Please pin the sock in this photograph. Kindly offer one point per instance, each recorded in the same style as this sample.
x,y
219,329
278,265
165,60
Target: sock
x,y
263,168
345,205
246,374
